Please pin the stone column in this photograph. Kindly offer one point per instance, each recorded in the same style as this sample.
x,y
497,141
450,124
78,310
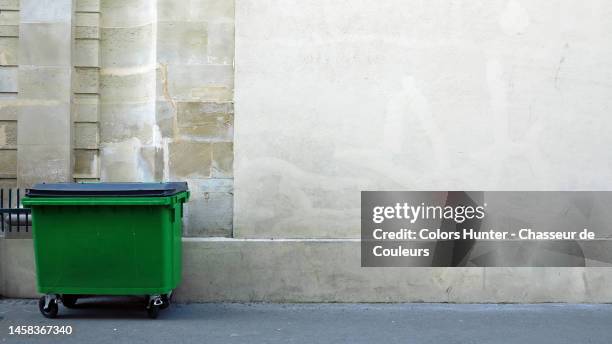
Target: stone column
x,y
44,78
129,138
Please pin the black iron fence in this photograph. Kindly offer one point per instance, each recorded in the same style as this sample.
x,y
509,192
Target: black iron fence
x,y
14,218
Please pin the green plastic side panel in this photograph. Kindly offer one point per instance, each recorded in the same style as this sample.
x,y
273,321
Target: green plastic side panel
x,y
88,247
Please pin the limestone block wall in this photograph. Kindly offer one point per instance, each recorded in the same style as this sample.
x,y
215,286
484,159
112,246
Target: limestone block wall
x,y
45,77
48,62
195,78
130,148
166,102
9,38
121,90
86,101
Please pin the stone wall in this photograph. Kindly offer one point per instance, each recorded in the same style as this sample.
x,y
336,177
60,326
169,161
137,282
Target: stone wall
x,y
86,101
9,52
109,90
46,80
167,101
195,59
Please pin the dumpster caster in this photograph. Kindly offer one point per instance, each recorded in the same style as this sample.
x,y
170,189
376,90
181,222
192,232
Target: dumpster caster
x,y
69,301
166,300
155,303
48,306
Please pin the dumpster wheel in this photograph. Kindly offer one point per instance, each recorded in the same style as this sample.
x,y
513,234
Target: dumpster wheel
x,y
166,300
69,301
50,311
154,304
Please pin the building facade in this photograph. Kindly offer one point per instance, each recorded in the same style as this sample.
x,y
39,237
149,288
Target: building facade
x,y
278,113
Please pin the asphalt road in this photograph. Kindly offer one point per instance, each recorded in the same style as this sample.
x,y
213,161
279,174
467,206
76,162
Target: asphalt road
x,y
124,321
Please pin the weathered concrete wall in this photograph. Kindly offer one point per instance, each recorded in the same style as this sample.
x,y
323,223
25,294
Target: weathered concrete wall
x,y
18,269
2,279
337,97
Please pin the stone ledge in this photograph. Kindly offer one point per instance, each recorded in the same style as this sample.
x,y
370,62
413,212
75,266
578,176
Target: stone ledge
x,y
328,270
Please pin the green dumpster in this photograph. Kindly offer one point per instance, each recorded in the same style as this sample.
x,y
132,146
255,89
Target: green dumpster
x,y
106,239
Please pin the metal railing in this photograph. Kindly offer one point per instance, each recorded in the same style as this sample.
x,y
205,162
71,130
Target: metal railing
x,y
15,220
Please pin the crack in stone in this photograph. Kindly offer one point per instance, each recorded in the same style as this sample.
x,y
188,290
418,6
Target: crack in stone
x,y
168,97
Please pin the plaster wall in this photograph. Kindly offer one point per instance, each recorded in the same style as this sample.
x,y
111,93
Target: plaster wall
x,y
335,97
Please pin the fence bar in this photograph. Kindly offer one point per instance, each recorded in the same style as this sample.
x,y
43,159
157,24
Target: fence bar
x,y
18,200
2,206
13,210
10,205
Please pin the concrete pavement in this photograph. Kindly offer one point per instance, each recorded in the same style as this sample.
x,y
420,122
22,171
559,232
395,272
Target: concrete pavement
x,y
124,321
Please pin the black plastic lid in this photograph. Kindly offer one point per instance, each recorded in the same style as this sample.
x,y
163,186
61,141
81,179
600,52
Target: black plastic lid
x,y
106,189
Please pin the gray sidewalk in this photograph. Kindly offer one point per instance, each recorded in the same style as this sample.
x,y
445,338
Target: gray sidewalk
x,y
102,321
